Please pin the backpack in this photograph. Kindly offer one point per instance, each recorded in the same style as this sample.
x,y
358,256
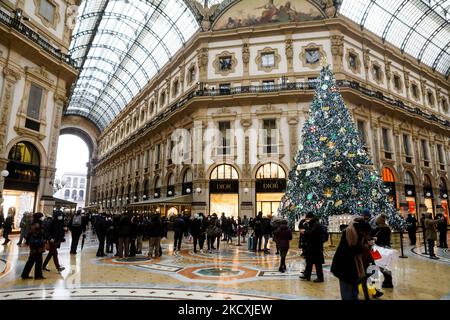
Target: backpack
x,y
76,222
325,235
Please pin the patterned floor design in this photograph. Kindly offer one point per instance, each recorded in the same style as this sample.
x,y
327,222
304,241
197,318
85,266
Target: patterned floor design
x,y
230,273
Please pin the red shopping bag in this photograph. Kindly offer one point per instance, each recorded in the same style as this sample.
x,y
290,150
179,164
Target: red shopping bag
x,y
375,254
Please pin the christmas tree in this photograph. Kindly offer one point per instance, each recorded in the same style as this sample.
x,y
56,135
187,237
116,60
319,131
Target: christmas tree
x,y
332,174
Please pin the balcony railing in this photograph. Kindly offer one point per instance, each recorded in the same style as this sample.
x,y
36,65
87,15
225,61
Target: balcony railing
x,y
201,91
36,38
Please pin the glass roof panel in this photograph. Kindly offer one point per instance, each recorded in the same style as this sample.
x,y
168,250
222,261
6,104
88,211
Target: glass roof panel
x,y
420,28
120,45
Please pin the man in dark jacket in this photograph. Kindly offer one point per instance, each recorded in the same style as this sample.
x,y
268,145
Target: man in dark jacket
x,y
100,231
76,229
411,226
54,235
313,234
178,228
258,228
442,228
123,233
36,241
196,226
155,232
267,232
133,236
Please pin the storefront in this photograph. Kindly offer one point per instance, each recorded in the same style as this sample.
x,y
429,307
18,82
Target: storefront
x,y
224,191
389,185
410,195
22,182
270,188
428,194
443,193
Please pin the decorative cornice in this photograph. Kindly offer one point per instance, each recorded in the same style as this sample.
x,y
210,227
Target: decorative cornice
x,y
11,74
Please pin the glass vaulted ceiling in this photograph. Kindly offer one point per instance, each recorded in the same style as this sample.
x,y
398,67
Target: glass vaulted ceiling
x,y
420,28
120,45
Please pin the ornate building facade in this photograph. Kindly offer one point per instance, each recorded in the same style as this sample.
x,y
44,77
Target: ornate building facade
x,y
35,81
216,130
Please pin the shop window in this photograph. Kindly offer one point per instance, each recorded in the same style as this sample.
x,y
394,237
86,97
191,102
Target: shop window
x,y
24,152
224,171
270,171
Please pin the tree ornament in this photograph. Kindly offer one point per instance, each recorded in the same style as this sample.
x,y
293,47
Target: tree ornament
x,y
328,193
324,87
338,178
326,108
323,138
330,145
309,196
327,78
338,203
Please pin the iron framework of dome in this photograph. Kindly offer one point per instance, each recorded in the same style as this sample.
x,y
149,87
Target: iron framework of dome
x,y
121,44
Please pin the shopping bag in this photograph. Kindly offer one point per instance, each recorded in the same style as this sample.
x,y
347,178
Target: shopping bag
x,y
388,257
375,254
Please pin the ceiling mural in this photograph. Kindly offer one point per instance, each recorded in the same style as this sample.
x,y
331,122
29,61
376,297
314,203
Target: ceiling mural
x,y
256,12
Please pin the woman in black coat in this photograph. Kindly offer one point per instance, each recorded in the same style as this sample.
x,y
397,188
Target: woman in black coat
x,y
36,241
54,236
411,224
282,236
348,261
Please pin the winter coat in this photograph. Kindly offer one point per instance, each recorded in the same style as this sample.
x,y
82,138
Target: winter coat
x,y
7,226
314,240
411,223
196,227
442,225
179,225
124,227
155,229
36,239
266,226
133,229
100,226
430,229
383,235
258,226
55,229
141,228
213,229
282,236
344,265
76,229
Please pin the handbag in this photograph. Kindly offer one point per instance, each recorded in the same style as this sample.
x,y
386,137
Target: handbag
x,y
375,254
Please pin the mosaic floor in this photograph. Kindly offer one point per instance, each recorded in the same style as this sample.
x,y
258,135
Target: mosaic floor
x,y
232,273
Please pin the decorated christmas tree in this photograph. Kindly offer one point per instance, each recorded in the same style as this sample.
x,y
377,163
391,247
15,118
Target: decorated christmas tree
x,y
332,174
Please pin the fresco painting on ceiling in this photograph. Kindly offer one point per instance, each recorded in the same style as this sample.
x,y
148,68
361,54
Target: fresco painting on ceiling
x,y
256,12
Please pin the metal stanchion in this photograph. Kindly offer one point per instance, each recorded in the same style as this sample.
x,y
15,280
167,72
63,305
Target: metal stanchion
x,y
401,245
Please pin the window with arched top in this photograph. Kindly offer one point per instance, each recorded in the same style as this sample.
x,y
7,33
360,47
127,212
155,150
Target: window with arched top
x,y
81,195
170,180
24,152
442,184
187,177
158,183
67,194
223,172
409,179
187,186
74,195
82,183
270,170
75,183
388,175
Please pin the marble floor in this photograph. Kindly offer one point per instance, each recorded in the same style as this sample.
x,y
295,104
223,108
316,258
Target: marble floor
x,y
231,273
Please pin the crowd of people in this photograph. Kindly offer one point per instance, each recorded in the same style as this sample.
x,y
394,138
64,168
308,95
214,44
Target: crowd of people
x,y
123,236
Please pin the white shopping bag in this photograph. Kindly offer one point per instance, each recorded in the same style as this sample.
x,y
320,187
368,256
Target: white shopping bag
x,y
388,257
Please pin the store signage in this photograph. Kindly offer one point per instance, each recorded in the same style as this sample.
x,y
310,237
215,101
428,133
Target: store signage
x,y
271,185
224,186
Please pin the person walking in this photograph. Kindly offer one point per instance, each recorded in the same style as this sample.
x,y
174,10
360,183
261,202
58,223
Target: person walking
x,y
442,228
155,232
123,234
313,234
25,227
282,236
8,225
100,230
36,242
196,230
348,261
411,227
178,228
258,229
267,232
76,229
54,235
430,234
